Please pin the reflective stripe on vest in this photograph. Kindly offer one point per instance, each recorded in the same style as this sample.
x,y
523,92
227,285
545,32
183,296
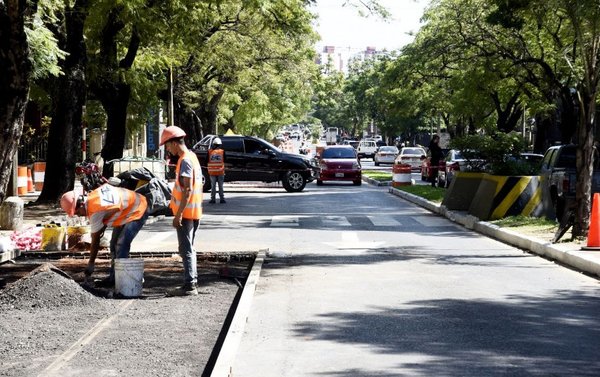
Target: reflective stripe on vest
x,y
193,208
129,206
216,162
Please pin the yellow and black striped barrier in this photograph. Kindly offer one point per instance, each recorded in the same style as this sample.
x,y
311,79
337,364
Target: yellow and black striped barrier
x,y
502,196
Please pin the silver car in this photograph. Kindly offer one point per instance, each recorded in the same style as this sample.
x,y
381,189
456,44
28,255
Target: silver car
x,y
412,156
385,155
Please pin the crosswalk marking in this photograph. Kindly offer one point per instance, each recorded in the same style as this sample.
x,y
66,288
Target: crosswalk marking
x,y
431,220
285,221
314,221
335,221
384,221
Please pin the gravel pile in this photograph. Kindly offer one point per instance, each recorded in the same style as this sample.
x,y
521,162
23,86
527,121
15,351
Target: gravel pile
x,y
46,288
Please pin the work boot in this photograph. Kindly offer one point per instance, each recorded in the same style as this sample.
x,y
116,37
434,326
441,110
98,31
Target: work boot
x,y
223,201
212,201
186,290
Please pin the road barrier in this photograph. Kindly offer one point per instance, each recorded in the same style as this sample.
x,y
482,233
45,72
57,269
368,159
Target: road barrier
x,y
29,180
22,180
39,171
401,175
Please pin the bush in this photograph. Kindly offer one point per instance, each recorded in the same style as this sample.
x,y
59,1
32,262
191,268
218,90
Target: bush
x,y
499,152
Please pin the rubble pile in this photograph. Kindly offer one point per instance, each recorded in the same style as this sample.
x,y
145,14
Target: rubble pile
x,y
45,289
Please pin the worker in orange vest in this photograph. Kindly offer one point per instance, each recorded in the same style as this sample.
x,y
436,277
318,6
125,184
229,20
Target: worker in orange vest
x,y
124,210
216,169
186,204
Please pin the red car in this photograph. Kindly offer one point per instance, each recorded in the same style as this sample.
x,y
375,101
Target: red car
x,y
339,163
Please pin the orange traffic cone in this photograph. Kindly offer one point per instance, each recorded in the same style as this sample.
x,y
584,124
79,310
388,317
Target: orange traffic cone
x,y
593,241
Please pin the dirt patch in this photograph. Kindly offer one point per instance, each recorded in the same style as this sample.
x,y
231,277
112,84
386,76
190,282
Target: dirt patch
x,y
51,325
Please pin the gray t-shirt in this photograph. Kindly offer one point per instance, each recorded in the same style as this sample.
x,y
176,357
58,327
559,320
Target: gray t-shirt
x,y
186,169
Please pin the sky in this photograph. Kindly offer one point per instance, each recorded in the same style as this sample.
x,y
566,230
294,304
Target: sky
x,y
344,28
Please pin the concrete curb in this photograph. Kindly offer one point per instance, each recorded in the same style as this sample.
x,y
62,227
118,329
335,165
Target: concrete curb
x,y
581,260
375,182
224,363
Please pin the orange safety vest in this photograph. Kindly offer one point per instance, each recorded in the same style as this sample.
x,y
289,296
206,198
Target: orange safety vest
x,y
129,205
216,162
193,209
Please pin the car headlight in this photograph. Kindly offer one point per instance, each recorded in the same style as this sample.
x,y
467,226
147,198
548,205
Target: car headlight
x,y
355,165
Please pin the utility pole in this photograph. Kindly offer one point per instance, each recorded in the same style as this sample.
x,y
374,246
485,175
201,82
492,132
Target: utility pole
x,y
170,113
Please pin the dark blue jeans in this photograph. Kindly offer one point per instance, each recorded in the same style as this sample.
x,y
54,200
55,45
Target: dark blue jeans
x,y
120,242
186,234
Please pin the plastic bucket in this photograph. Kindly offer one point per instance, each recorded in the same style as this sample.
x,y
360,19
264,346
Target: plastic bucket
x,y
129,277
53,239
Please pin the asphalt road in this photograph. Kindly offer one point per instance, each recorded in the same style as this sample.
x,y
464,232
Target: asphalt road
x,y
362,283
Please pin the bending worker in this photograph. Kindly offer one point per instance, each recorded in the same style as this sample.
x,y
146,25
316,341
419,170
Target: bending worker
x,y
108,205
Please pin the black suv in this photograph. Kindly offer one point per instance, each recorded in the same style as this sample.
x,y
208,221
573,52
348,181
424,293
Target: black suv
x,y
249,158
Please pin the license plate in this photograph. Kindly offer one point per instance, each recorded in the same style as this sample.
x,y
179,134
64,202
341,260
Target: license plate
x,y
339,175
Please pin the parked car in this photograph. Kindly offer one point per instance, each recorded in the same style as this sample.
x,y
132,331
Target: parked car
x,y
385,155
339,163
352,142
559,178
366,148
249,158
454,162
412,156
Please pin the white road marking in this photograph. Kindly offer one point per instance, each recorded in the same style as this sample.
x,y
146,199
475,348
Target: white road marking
x,y
384,221
350,240
432,221
285,221
334,221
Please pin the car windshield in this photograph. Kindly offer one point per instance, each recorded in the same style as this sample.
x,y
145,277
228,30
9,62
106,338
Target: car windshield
x,y
339,153
458,156
412,151
388,149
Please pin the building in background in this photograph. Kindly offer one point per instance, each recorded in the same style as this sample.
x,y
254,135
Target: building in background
x,y
339,58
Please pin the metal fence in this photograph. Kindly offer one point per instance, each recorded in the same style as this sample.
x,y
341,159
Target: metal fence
x,y
33,151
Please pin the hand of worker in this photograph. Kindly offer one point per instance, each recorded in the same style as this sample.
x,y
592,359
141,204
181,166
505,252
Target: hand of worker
x,y
176,221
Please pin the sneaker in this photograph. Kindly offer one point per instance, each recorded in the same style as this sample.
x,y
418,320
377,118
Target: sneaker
x,y
212,201
186,290
223,201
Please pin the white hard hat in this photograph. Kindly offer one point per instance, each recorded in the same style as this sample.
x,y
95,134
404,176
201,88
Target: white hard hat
x,y
217,141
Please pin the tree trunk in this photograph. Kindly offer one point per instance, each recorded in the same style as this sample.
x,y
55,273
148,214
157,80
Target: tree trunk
x,y
114,100
585,163
209,113
15,72
68,98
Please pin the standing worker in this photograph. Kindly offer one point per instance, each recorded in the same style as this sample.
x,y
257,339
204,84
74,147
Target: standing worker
x,y
436,156
124,210
186,204
216,169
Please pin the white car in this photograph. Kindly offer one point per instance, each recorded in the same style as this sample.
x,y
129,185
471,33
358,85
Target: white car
x,y
385,155
366,148
412,156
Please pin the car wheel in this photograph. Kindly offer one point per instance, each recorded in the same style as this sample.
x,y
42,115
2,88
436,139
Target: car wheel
x,y
319,182
205,182
293,181
357,183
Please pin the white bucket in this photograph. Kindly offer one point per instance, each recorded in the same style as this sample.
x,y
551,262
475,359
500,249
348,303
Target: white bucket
x,y
129,277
